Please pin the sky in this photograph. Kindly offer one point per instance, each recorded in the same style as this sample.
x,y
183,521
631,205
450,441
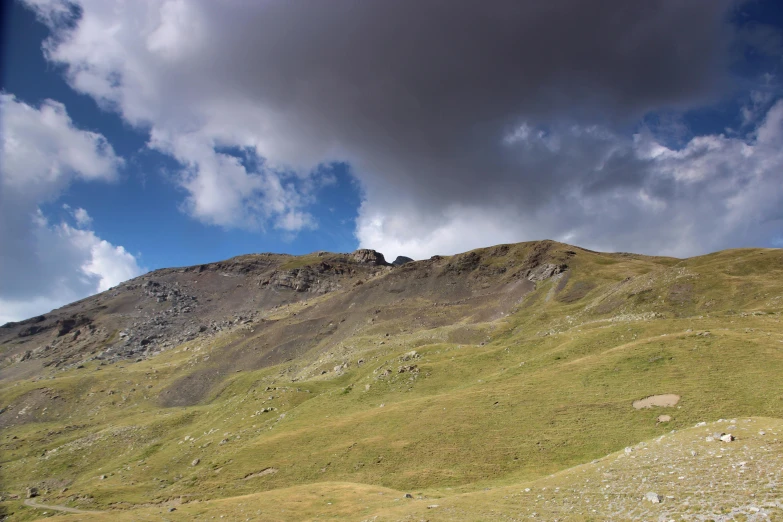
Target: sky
x,y
142,135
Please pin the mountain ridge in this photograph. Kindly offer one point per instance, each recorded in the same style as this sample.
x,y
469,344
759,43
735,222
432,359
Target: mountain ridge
x,y
489,368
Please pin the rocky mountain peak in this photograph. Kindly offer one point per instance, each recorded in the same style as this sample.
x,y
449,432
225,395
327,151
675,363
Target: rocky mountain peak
x,y
369,256
401,260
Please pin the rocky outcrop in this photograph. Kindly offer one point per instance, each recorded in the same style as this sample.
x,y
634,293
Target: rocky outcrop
x,y
298,279
462,263
307,279
67,325
401,260
33,329
156,331
319,278
369,257
150,314
545,271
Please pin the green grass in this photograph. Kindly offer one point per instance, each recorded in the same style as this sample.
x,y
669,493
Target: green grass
x,y
552,389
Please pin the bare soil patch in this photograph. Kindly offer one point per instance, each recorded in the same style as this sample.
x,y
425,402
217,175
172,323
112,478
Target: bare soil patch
x,y
666,401
266,471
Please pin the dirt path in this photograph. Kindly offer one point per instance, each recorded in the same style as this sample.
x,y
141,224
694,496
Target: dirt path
x,y
65,509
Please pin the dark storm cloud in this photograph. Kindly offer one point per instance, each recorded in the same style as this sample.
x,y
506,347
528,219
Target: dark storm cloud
x,y
465,122
425,91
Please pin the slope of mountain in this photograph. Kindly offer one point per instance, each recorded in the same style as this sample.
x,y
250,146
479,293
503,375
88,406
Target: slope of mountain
x,y
341,378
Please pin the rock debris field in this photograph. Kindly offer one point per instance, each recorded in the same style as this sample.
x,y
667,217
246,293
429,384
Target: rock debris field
x,y
699,474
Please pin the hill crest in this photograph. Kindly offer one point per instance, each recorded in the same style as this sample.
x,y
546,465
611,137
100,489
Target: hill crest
x,y
443,376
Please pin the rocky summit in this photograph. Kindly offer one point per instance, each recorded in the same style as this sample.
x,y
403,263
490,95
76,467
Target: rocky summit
x,y
527,381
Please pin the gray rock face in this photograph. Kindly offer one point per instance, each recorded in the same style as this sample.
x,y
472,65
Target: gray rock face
x,y
306,279
155,332
31,330
401,260
370,257
65,326
153,313
464,263
545,271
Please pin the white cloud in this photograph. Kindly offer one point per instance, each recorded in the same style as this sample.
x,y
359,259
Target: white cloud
x,y
83,219
46,265
103,262
221,190
714,192
147,61
43,152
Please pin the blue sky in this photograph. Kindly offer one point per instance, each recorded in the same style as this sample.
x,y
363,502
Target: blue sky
x,y
168,133
140,211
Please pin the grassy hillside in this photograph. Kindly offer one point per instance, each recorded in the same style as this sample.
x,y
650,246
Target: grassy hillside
x,y
693,479
512,382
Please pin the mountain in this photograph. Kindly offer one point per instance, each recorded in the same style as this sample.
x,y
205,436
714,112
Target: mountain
x,y
275,387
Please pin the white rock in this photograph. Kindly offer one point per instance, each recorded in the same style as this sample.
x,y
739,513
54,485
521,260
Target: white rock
x,y
653,497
